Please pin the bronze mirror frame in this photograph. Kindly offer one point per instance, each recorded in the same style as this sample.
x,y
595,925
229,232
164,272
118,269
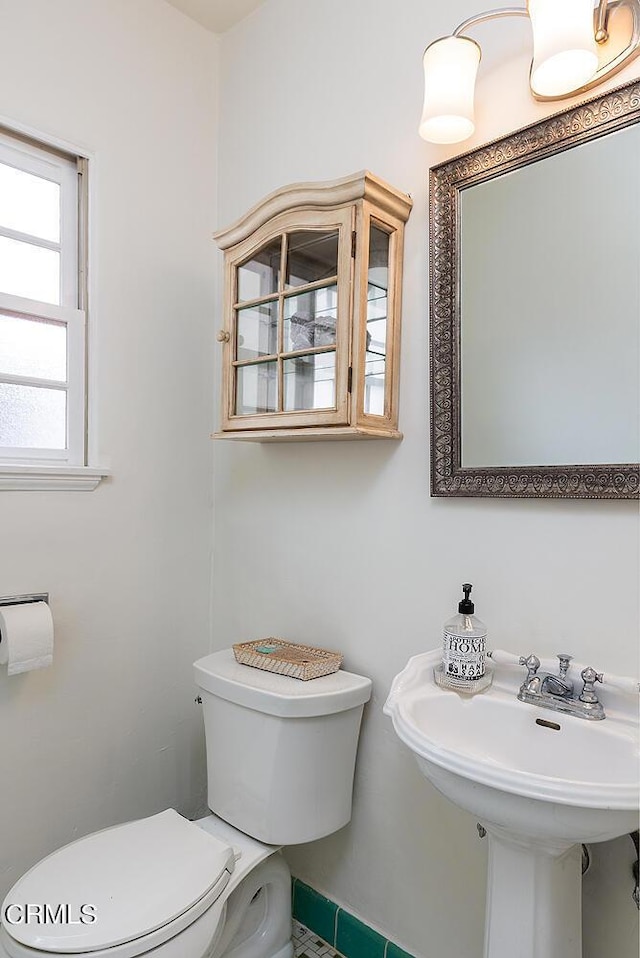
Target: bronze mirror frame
x,y
585,121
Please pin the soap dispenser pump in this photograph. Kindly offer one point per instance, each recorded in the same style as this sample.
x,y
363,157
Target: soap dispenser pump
x,y
464,644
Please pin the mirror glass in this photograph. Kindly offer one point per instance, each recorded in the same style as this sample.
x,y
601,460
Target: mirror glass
x,y
535,309
549,292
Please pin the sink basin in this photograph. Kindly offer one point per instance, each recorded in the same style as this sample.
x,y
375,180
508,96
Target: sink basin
x,y
543,773
539,781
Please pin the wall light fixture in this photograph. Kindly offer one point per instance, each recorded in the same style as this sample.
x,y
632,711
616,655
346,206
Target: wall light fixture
x,y
574,49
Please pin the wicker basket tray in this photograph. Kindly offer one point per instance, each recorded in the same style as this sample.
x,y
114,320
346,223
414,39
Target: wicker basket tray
x,y
287,658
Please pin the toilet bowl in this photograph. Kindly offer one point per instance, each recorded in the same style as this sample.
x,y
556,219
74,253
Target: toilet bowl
x,y
280,758
161,886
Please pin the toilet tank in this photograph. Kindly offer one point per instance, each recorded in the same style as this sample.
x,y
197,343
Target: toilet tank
x,y
280,752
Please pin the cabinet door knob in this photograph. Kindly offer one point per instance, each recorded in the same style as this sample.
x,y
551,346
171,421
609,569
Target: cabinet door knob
x,y
223,336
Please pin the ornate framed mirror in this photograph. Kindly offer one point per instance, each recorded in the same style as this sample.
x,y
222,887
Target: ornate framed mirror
x,y
535,309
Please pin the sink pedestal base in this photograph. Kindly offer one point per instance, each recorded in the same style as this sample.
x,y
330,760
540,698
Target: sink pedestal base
x,y
539,788
534,897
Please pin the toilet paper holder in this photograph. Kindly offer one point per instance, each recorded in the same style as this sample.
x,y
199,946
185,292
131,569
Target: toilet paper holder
x,y
26,634
23,599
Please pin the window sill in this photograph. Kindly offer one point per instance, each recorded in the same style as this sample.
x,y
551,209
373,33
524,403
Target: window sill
x,y
39,478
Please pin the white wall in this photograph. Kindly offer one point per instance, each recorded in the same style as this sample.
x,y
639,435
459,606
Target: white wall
x,y
339,543
111,732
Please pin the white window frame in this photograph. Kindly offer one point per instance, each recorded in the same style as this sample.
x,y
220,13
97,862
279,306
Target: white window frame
x,y
32,468
74,385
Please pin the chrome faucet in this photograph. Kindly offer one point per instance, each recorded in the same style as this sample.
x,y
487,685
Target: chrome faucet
x,y
557,692
559,684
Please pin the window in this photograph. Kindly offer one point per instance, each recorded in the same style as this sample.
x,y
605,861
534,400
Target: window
x,y
42,303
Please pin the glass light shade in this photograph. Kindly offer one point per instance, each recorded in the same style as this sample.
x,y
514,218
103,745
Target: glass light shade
x,y
564,46
450,69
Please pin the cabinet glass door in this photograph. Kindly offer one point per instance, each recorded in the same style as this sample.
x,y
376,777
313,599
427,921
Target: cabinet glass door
x,y
376,321
290,324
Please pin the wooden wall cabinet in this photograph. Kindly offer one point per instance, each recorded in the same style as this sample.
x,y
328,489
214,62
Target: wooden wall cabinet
x,y
311,336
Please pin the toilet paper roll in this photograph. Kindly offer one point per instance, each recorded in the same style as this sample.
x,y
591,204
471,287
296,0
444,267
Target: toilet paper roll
x,y
26,637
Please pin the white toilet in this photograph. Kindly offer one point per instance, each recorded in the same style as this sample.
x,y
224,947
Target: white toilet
x,y
281,757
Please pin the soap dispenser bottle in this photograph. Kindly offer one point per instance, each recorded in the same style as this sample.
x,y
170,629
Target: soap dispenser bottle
x,y
464,643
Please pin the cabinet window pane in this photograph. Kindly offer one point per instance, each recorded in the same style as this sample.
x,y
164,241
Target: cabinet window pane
x,y
33,347
377,305
310,319
31,417
30,271
260,275
374,386
29,204
312,255
257,331
310,382
256,389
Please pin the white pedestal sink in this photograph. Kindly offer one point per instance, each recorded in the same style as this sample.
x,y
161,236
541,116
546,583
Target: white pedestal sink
x,y
540,782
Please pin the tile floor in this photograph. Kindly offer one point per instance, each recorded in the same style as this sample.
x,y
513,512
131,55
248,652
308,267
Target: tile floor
x,y
306,944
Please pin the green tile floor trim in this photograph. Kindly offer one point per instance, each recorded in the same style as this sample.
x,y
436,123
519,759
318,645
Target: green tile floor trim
x,y
394,952
340,929
315,911
356,940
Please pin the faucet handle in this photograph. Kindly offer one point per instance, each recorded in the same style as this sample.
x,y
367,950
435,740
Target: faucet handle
x,y
622,683
590,677
532,681
531,663
500,657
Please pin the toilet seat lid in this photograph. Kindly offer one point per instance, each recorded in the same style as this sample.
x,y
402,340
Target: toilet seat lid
x,y
137,877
